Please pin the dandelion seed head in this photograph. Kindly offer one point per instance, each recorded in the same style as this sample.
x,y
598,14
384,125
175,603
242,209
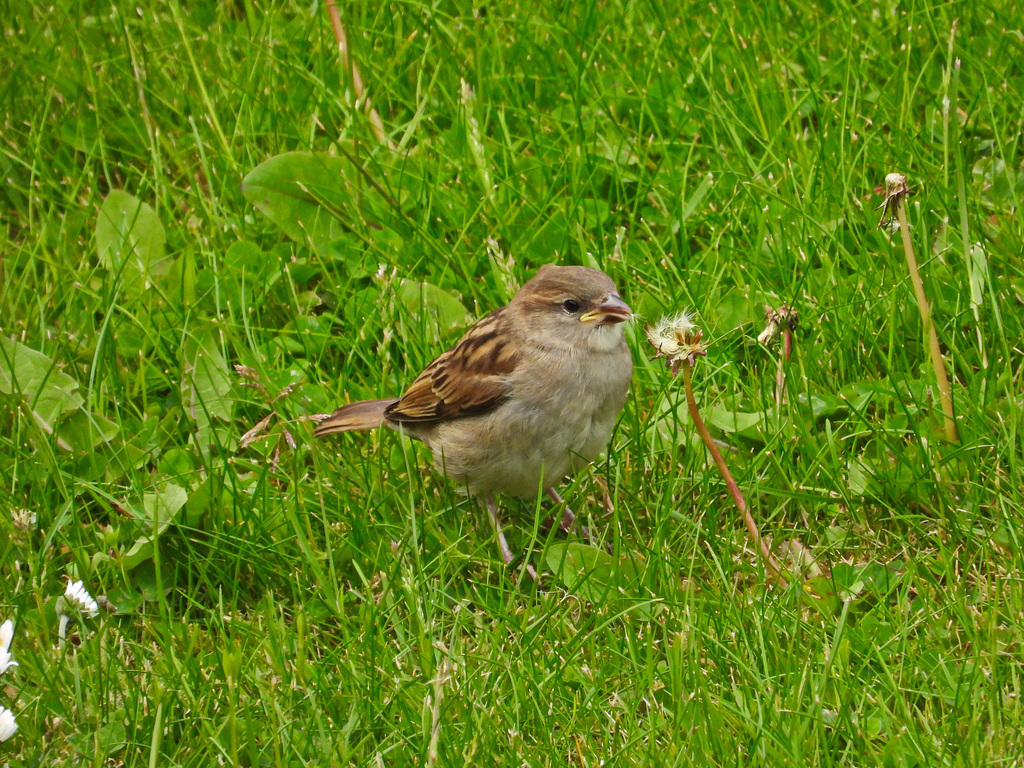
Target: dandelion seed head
x,y
676,338
671,333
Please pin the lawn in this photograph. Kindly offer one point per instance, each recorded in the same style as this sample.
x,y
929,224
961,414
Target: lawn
x,y
212,232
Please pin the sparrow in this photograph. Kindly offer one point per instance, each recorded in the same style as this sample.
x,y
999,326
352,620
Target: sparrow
x,y
528,395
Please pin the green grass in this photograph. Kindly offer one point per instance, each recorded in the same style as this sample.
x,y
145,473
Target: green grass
x,y
337,603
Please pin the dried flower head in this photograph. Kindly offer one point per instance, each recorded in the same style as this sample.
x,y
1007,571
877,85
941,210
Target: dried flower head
x,y
676,338
777,319
895,190
23,519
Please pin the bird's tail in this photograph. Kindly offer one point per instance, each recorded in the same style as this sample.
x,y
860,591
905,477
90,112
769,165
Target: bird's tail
x,y
365,414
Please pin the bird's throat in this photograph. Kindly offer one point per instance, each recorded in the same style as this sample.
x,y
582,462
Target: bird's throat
x,y
606,338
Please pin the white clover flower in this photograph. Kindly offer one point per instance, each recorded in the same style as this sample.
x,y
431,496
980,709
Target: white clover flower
x,y
6,636
81,599
8,725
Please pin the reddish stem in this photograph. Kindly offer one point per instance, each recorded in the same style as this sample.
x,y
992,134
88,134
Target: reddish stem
x,y
734,491
934,350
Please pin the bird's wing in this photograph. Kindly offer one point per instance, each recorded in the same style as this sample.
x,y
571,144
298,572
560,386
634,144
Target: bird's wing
x,y
470,378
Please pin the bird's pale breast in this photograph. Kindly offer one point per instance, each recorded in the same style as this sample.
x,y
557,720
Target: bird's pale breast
x,y
551,426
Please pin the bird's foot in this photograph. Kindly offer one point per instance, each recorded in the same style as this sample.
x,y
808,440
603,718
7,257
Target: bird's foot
x,y
506,551
568,525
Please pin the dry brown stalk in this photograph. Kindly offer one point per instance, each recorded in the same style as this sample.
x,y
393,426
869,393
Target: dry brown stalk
x,y
349,64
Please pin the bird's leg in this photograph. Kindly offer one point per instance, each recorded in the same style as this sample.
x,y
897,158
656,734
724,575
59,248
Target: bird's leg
x,y
492,510
568,521
506,552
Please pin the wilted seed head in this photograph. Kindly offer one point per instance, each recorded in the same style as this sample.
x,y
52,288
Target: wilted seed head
x,y
895,190
771,328
676,338
284,393
776,319
896,184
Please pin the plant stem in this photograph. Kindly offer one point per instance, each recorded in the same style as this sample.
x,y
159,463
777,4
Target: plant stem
x,y
935,352
780,375
734,490
376,124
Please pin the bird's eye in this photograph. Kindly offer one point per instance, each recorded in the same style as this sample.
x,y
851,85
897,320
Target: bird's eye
x,y
571,306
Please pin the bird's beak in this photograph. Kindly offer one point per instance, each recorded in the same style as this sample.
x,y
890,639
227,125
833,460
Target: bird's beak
x,y
611,310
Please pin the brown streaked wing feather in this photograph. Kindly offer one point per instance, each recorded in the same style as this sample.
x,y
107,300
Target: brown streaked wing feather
x,y
468,379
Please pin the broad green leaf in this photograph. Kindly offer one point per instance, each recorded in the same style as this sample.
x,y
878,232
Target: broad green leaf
x,y
141,551
205,385
159,510
85,432
201,500
590,572
860,393
737,421
820,593
104,742
428,311
859,476
302,193
33,376
243,256
822,406
51,397
882,578
162,506
130,241
978,263
734,309
996,182
176,462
